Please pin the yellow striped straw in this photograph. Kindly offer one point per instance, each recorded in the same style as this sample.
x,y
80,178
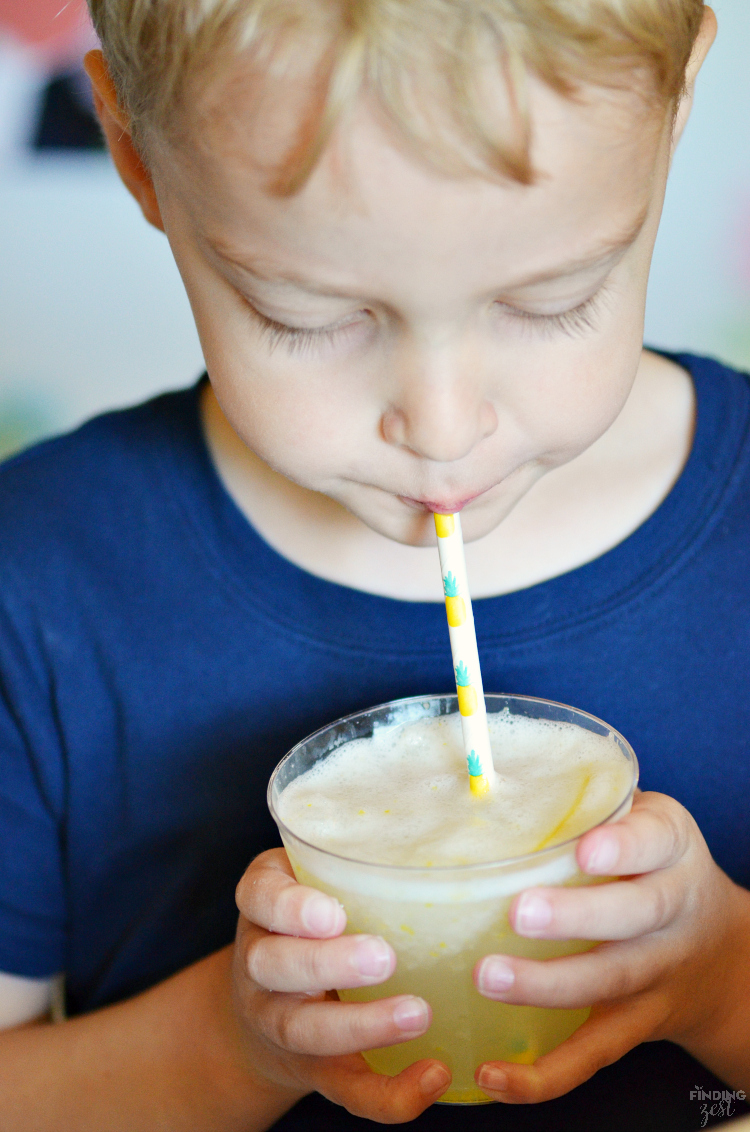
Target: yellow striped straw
x,y
482,776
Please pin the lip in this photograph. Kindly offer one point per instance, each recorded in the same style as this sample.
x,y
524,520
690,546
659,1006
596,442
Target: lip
x,y
440,506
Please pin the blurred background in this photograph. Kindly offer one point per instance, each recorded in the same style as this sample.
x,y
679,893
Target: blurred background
x,y
92,311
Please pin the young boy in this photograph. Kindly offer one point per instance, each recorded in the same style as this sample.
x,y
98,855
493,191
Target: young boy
x,y
416,237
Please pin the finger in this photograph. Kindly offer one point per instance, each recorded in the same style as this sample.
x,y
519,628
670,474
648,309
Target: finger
x,y
654,835
607,1036
349,1081
620,910
610,971
268,895
283,963
330,1027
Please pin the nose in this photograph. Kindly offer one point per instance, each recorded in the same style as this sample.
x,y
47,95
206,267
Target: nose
x,y
439,407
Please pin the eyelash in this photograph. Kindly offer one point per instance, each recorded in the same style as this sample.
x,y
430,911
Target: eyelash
x,y
298,340
572,322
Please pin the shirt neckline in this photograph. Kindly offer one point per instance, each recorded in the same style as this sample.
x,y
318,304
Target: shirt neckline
x,y
308,607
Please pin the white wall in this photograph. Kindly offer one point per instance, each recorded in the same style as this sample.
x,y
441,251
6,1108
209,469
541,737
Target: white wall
x,y
699,297
92,309
92,312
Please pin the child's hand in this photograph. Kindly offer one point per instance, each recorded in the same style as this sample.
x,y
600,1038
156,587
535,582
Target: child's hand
x,y
289,952
673,973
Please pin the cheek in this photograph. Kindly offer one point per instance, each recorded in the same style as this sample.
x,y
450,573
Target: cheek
x,y
295,418
575,397
579,386
291,413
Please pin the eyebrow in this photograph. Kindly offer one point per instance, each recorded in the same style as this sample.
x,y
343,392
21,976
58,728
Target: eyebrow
x,y
302,282
606,250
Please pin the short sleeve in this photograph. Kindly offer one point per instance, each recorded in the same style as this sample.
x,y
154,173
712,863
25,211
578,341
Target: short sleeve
x,y
32,891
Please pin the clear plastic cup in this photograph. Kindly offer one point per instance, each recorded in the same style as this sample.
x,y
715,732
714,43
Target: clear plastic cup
x,y
441,920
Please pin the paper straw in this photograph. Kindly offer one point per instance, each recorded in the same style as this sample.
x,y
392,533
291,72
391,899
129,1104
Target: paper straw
x,y
482,777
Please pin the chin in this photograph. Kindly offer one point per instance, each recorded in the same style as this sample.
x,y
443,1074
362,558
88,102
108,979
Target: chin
x,y
478,524
414,529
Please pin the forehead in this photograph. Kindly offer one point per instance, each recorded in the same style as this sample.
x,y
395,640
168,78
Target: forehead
x,y
372,203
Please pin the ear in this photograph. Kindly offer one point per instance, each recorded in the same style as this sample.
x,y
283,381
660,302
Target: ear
x,y
701,47
116,129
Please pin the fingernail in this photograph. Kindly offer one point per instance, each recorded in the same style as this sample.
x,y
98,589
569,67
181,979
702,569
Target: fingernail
x,y
372,957
320,914
603,857
434,1080
411,1014
533,914
495,976
492,1078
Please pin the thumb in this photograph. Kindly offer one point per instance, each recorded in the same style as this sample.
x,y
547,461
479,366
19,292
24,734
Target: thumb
x,y
610,1032
350,1082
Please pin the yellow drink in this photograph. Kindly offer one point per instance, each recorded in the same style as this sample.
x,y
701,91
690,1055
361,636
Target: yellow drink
x,y
386,823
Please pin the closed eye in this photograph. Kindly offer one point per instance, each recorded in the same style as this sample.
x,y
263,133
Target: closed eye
x,y
578,320
298,339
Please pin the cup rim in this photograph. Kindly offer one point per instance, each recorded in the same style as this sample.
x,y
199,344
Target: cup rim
x,y
475,866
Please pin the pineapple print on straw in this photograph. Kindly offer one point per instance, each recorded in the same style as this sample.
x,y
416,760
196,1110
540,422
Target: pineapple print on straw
x,y
482,777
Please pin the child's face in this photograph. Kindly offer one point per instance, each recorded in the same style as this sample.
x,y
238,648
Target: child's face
x,y
405,342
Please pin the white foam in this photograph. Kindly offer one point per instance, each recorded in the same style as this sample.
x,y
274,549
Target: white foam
x,y
402,797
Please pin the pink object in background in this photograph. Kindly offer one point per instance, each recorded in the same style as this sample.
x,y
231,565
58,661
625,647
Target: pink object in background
x,y
739,242
57,30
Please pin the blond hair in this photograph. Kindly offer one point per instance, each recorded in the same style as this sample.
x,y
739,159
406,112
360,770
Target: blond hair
x,y
422,59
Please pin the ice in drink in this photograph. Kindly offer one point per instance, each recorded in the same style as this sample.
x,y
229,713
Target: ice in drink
x,y
377,811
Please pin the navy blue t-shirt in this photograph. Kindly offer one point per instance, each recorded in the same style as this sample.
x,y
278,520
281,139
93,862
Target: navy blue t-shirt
x,y
157,659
